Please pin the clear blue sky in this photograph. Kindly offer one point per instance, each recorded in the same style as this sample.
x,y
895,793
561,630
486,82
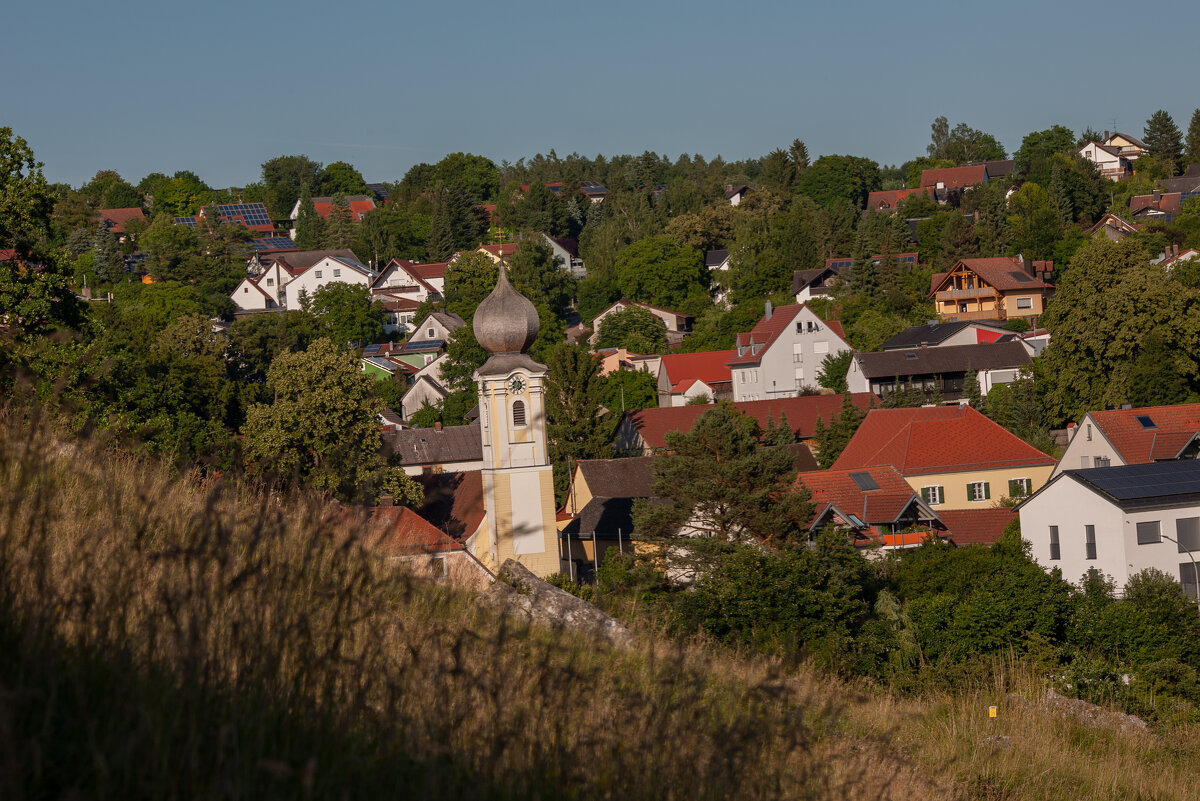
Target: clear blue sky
x,y
219,87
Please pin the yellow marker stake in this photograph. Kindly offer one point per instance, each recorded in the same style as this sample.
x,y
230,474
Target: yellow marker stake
x,y
991,711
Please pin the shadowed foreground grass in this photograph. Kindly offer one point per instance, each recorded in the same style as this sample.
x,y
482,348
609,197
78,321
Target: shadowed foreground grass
x,y
165,640
162,639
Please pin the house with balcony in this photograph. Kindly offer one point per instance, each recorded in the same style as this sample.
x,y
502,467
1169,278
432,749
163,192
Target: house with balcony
x,y
938,371
953,456
783,353
1143,435
1118,520
1108,160
875,507
999,288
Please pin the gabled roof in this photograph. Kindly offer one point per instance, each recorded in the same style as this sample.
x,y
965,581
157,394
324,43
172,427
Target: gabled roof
x,y
1140,486
954,177
432,446
301,260
1133,140
890,198
501,251
976,526
1109,149
875,495
929,334
453,501
1110,220
939,361
354,264
252,215
1183,183
251,282
1000,168
806,278
736,190
801,412
116,219
936,439
768,329
715,258
1166,202
359,205
1136,443
428,272
708,366
1004,273
625,303
618,478
397,531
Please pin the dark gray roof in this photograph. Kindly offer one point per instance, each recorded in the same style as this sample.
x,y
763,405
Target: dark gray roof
x,y
301,260
930,334
1141,485
714,258
998,169
803,278
430,446
937,361
618,478
1182,184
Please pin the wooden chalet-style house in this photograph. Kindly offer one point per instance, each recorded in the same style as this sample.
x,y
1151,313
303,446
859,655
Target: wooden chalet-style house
x,y
1001,288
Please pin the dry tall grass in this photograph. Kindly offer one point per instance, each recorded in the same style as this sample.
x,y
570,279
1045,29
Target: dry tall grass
x,y
159,639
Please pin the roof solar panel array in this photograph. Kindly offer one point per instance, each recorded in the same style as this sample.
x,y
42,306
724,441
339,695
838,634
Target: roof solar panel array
x,y
190,222
247,213
1141,481
273,243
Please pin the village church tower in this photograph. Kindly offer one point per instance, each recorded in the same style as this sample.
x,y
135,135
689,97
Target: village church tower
x,y
518,482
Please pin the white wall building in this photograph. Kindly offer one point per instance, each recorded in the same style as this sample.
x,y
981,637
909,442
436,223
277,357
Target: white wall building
x,y
329,270
783,353
1118,520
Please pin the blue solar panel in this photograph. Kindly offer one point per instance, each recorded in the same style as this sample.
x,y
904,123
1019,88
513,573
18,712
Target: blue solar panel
x,y
371,350
246,213
273,243
190,222
1145,481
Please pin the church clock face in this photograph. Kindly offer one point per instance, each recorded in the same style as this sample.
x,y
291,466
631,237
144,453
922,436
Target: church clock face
x,y
516,385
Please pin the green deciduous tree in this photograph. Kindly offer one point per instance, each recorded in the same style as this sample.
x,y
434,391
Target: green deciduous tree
x,y
341,178
25,199
833,179
322,426
719,482
634,328
577,424
469,279
832,373
1033,157
1034,223
655,270
284,177
962,144
346,314
537,275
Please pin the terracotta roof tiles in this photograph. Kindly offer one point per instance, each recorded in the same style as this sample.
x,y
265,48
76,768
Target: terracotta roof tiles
x,y
1137,444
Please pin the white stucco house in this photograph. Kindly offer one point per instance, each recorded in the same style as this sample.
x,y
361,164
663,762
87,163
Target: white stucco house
x,y
1118,520
1115,437
329,270
783,353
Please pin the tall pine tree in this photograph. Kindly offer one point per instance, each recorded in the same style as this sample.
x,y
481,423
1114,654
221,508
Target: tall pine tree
x,y
340,229
310,228
1193,139
1164,141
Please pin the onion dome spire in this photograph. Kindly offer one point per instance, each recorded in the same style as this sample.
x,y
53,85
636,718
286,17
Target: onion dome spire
x,y
506,321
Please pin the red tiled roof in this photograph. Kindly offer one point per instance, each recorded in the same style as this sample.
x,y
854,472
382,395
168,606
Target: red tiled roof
x,y
890,198
954,177
708,366
397,531
837,488
8,254
118,218
1139,445
936,439
1004,273
976,526
1167,202
428,271
767,330
502,251
802,413
453,501
359,205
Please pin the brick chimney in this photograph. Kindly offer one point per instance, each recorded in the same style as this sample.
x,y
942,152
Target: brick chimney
x,y
437,426
385,499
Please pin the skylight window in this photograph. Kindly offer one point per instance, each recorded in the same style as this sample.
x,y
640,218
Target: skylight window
x,y
1146,422
864,481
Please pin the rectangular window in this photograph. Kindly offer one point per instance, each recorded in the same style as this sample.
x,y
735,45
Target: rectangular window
x,y
797,352
318,273
1102,461
1187,578
1089,541
437,567
1148,532
1018,487
979,491
821,347
1187,534
1024,303
799,377
1055,552
270,282
337,273
933,495
1083,462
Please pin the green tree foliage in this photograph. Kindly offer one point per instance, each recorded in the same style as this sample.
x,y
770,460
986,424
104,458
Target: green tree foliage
x,y
321,428
340,178
912,174
403,489
346,314
255,341
832,374
340,230
969,601
720,483
1164,142
1192,147
627,390
181,195
1034,157
1154,621
310,228
834,179
1017,407
284,179
536,210
962,144
537,275
393,231
469,279
477,176
577,424
799,153
778,172
457,224
635,329
107,190
97,255
832,438
1108,301
655,270
25,199
1034,224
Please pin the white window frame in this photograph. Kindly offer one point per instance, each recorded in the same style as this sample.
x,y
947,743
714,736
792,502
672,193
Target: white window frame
x,y
1024,303
979,491
934,494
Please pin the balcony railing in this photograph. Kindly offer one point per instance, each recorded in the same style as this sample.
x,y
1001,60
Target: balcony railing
x,y
966,294
987,314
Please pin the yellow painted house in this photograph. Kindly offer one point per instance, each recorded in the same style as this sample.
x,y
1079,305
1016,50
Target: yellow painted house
x,y
953,456
1002,288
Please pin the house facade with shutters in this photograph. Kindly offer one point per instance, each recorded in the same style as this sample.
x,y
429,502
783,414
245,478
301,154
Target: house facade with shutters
x,y
952,456
1000,288
1118,520
783,353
